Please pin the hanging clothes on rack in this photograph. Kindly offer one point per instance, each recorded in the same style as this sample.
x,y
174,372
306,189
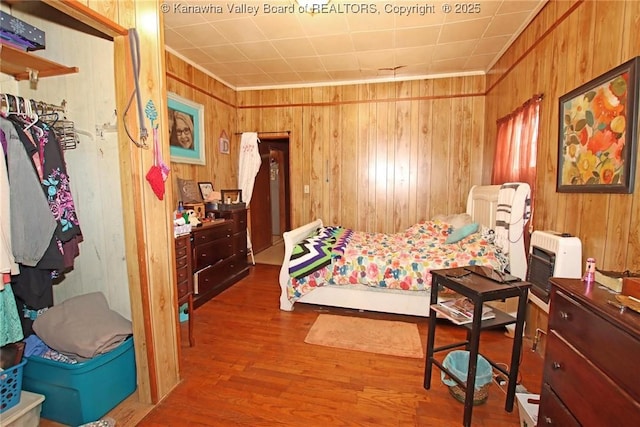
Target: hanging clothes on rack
x,y
44,226
10,326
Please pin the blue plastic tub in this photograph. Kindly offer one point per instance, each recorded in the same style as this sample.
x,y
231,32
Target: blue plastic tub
x,y
84,392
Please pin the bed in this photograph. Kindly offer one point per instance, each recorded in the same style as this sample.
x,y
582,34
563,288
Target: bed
x,y
390,273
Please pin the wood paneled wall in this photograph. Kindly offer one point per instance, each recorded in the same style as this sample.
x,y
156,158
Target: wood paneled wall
x,y
568,44
376,157
219,103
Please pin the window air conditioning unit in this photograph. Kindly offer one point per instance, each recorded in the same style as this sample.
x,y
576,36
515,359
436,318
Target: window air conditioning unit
x,y
551,254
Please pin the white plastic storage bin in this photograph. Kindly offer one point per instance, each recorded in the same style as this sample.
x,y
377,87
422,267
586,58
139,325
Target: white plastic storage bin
x,y
528,411
26,413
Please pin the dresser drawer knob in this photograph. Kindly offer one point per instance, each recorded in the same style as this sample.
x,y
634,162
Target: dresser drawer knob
x,y
548,420
564,315
556,365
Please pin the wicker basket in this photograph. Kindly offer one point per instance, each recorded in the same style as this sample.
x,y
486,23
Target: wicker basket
x,y
456,363
480,395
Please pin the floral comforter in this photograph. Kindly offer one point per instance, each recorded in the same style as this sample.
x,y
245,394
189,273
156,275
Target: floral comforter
x,y
402,260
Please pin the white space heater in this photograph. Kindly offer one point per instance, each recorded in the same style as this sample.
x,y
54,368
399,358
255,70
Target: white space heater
x,y
551,254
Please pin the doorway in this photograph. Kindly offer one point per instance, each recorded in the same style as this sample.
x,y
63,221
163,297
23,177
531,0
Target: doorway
x,y
270,201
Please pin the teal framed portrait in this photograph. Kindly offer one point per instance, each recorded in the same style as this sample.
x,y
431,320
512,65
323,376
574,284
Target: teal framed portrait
x,y
186,130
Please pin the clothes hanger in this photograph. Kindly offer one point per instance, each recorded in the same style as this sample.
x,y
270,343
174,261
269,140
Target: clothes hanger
x,y
4,104
32,117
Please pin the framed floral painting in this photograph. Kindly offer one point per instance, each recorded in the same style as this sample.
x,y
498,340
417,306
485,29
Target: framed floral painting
x,y
598,132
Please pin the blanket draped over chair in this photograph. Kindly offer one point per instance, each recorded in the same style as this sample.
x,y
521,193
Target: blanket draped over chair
x,y
504,219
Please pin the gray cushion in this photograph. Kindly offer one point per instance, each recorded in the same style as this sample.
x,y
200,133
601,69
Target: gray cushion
x,y
82,326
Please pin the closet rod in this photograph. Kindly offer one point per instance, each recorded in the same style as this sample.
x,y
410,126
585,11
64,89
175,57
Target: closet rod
x,y
15,104
265,133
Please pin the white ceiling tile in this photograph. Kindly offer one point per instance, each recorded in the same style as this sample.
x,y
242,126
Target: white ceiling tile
x,y
506,24
414,55
413,15
491,45
175,40
518,6
332,44
244,67
478,62
258,50
366,22
420,36
279,26
291,78
350,74
466,30
240,30
453,50
373,40
312,63
315,76
196,55
284,48
448,66
293,48
320,25
272,66
474,10
176,17
201,35
339,62
374,60
224,53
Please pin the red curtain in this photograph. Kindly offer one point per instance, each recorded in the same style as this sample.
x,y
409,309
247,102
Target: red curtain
x,y
516,147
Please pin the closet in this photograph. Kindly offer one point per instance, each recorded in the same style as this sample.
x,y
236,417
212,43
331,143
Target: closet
x,y
126,234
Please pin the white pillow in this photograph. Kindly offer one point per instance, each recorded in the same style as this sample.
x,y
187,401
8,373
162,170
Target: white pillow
x,y
455,220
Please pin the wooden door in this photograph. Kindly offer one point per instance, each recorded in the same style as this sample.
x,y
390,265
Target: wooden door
x,y
260,205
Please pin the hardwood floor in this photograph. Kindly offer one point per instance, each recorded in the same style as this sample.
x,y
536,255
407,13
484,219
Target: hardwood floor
x,y
251,367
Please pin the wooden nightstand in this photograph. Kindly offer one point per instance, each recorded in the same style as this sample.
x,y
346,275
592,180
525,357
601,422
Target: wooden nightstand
x,y
479,290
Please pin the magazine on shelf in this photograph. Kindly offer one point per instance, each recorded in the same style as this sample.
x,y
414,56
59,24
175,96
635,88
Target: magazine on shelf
x,y
460,310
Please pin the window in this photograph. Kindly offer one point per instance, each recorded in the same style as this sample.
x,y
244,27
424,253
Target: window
x,y
516,146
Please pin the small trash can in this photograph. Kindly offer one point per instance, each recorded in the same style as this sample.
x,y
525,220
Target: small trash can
x,y
183,312
457,362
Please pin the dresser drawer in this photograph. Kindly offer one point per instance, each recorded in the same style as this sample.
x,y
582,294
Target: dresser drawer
x,y
579,384
240,244
600,341
552,412
213,277
182,273
238,263
181,242
183,289
182,262
211,253
181,252
239,221
207,235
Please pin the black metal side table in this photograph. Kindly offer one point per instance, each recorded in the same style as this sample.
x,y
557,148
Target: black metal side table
x,y
479,290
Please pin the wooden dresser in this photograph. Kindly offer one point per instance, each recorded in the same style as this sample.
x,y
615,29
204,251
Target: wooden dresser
x,y
591,371
219,255
184,278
